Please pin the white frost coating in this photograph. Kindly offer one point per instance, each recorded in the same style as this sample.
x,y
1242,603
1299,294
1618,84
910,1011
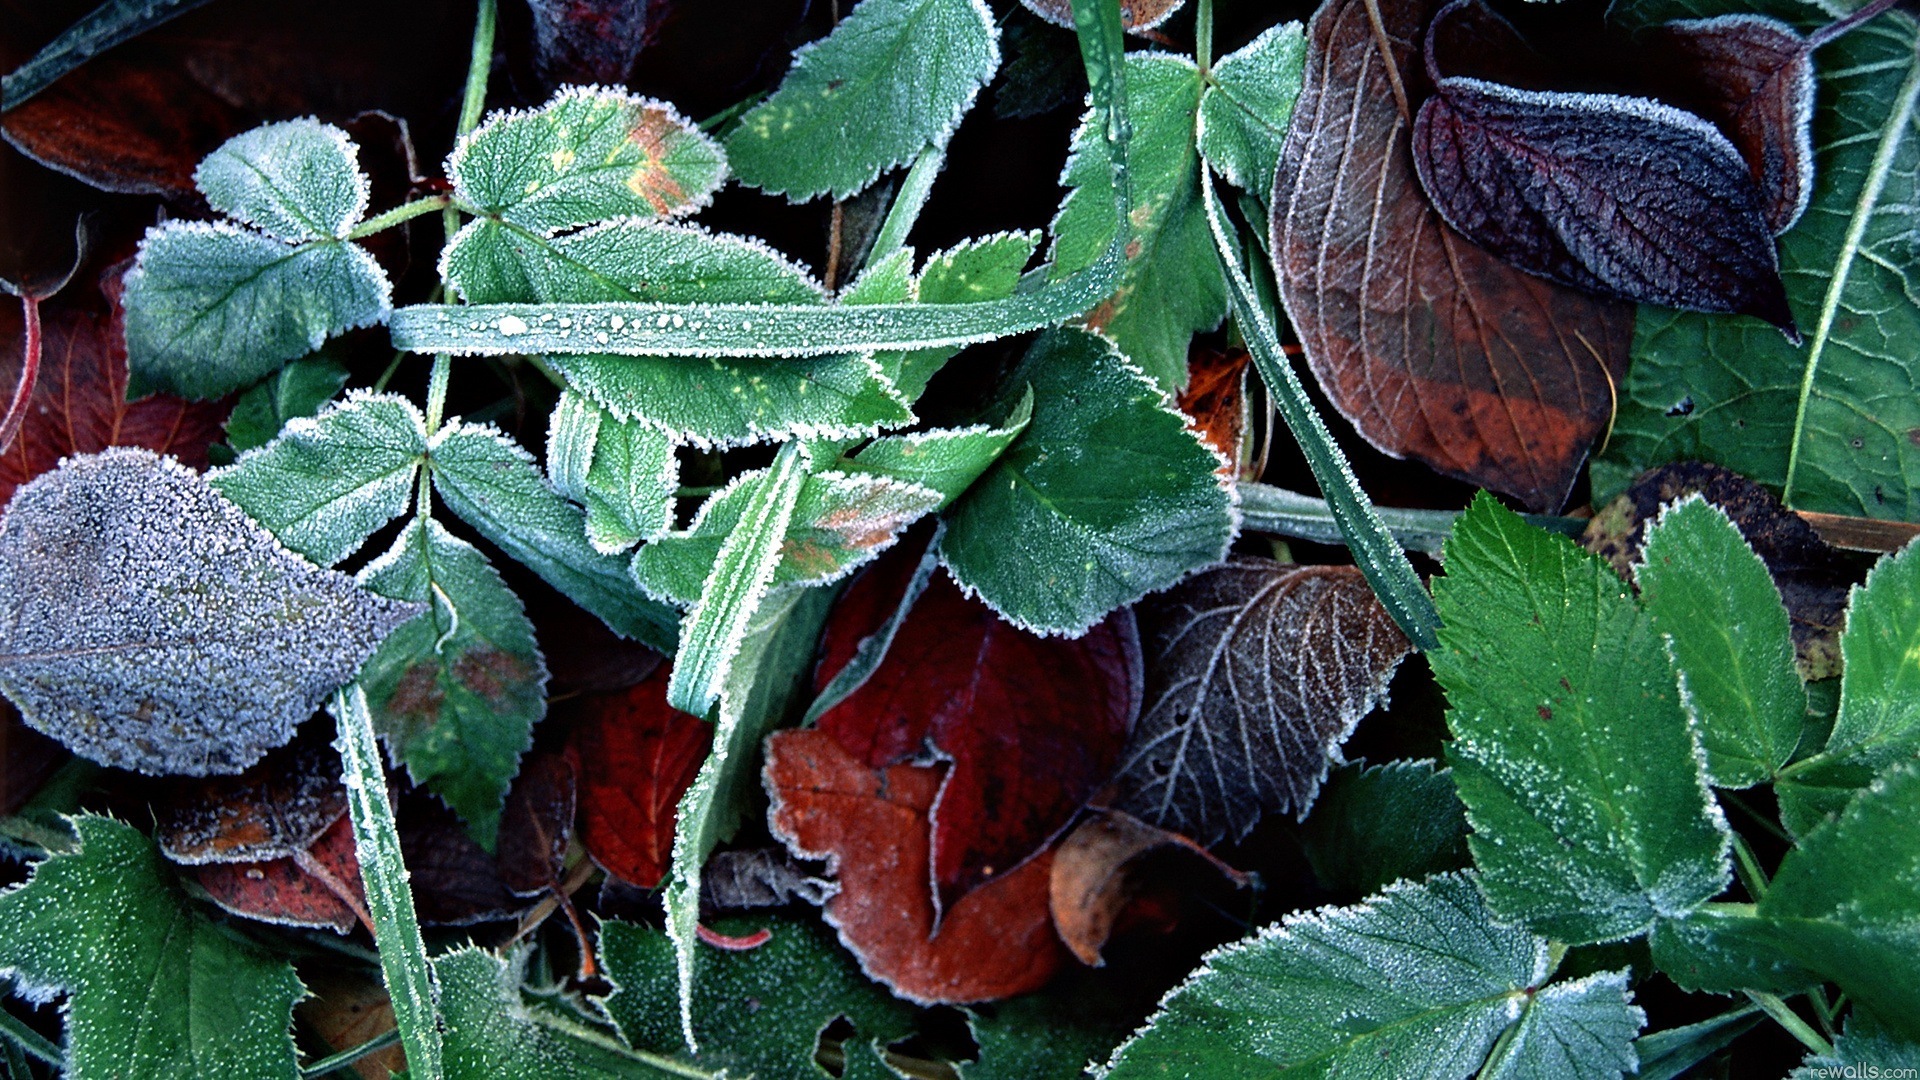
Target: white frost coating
x,y
296,180
1060,13
572,432
1801,126
1607,105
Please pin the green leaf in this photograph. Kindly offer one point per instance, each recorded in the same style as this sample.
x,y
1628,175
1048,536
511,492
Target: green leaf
x,y
157,989
110,24
1247,106
1420,976
296,181
456,690
492,482
212,308
1829,422
1111,495
1171,288
326,483
1060,1032
589,154
758,1012
978,271
947,460
624,473
297,390
1578,766
1862,1043
893,77
1665,1055
1726,627
1376,824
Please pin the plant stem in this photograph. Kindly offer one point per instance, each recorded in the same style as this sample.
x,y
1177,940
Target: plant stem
x,y
335,1062
479,66
1203,37
35,1044
29,372
1787,1018
1844,23
437,392
1752,875
402,213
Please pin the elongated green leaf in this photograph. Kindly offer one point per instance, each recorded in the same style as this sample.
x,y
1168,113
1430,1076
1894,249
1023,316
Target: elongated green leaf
x,y
457,690
325,484
156,989
1830,421
1418,979
1576,762
895,76
1111,495
297,390
947,460
104,27
297,180
589,154
212,308
1171,287
403,955
491,482
1667,1054
743,570
1246,108
979,271
624,473
1715,602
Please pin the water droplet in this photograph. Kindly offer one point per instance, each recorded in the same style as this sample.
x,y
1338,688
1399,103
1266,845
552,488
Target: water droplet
x,y
616,322
511,326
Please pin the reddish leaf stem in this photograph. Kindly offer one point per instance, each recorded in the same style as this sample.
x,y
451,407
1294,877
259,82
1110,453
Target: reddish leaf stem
x,y
1845,23
29,373
734,944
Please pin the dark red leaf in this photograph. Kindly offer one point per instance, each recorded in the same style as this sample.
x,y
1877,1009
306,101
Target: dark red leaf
x,y
27,759
637,757
1099,871
276,808
318,887
455,880
592,41
536,825
873,827
1216,398
1033,726
1432,347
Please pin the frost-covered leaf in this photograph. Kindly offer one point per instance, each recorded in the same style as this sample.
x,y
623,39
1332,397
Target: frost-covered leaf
x,y
1419,980
151,626
1376,824
1171,288
1581,774
1135,15
894,77
297,180
492,1029
947,460
1713,600
492,482
758,1012
297,390
1111,494
589,154
622,471
457,689
840,521
987,268
325,484
212,308
157,989
1256,672
1863,1042
1245,111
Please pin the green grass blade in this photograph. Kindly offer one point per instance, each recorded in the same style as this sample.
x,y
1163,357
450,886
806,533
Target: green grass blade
x,y
101,29
1268,509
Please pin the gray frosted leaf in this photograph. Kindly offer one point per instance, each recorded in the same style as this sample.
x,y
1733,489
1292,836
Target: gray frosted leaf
x,y
1256,672
297,180
149,625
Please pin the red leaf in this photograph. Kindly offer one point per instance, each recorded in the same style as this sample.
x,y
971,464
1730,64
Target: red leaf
x,y
277,807
318,887
873,827
1033,726
79,404
637,757
592,41
1216,398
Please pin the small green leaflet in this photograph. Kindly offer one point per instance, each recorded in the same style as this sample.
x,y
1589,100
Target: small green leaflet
x,y
1666,1055
895,76
757,1013
492,482
1863,1041
1376,824
326,483
1112,495
946,460
980,270
212,307
587,155
624,473
299,389
157,989
1844,906
1578,767
1420,978
1246,108
1715,602
1171,287
456,690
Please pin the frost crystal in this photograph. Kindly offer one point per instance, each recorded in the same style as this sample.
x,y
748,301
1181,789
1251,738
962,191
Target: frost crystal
x,y
149,624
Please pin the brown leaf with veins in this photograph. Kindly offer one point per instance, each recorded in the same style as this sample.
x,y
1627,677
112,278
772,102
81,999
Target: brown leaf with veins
x,y
348,1008
1101,868
1433,348
277,807
316,886
536,824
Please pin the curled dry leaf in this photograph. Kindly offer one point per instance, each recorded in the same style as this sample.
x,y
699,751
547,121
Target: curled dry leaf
x,y
637,757
319,885
1432,347
874,828
348,1008
1136,15
1097,875
1256,673
757,878
277,807
150,625
1031,726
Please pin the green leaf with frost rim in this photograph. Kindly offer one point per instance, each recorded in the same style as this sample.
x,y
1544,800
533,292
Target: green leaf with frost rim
x,y
946,460
1830,422
1727,631
624,473
1171,287
297,180
1112,494
1419,976
299,389
1246,108
156,988
893,77
1581,773
327,483
1376,824
979,270
1863,1041
456,690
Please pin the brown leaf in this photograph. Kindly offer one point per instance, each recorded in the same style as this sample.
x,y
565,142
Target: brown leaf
x,y
1433,348
536,825
1097,876
592,41
637,757
347,1009
1256,673
318,886
873,827
455,881
1216,399
1136,15
278,807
